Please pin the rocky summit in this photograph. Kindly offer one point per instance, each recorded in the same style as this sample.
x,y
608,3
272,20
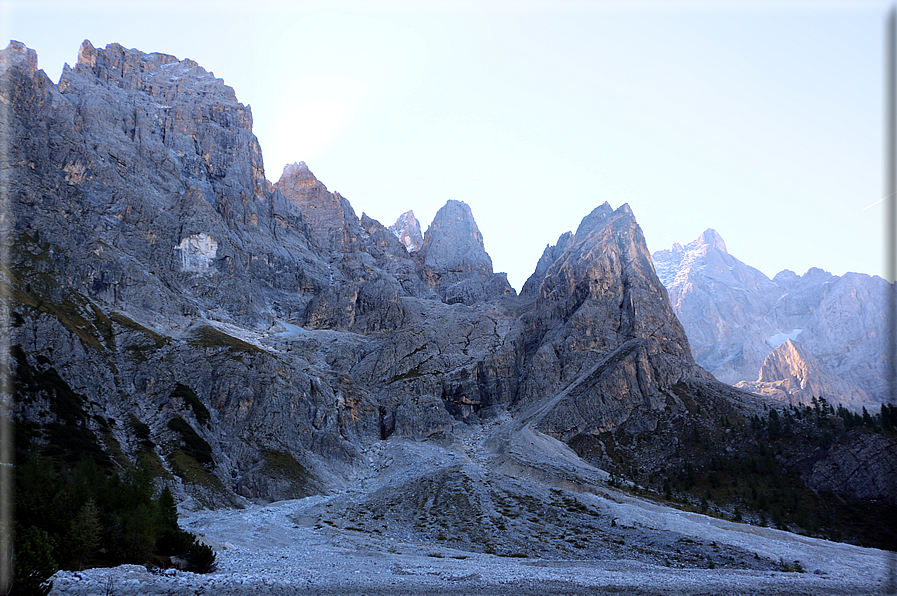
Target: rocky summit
x,y
245,342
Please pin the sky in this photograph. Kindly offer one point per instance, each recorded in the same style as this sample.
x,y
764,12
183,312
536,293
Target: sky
x,y
760,119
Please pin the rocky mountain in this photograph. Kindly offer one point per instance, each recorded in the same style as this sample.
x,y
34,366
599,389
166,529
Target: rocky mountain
x,y
736,318
240,340
150,252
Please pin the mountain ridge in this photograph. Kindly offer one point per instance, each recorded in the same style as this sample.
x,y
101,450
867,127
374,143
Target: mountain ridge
x,y
373,338
247,342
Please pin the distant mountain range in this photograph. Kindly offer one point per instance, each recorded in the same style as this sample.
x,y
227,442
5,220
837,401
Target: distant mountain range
x,y
792,337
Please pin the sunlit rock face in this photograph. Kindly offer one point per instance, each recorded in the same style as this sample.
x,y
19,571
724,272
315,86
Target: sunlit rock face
x,y
735,317
791,374
407,230
330,216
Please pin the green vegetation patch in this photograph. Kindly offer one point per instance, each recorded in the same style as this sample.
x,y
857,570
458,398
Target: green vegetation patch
x,y
283,465
749,469
34,285
187,468
414,373
194,445
210,337
190,398
76,517
119,318
69,437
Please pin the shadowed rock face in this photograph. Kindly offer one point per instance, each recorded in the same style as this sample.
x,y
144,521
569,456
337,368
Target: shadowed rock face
x,y
860,465
453,259
149,252
603,322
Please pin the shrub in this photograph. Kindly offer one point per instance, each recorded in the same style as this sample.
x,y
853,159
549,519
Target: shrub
x,y
33,563
201,558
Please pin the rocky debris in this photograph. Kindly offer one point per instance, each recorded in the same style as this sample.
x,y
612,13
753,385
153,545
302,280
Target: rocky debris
x,y
407,230
735,316
366,540
792,375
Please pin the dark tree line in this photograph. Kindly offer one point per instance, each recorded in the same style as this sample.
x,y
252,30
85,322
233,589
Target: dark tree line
x,y
72,518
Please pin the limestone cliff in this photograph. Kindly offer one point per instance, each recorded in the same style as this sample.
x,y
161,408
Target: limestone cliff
x,y
602,321
453,258
407,230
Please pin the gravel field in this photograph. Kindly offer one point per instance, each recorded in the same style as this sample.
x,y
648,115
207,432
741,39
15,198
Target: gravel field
x,y
262,550
376,536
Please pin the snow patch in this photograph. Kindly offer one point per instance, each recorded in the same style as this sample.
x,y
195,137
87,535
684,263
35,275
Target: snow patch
x,y
779,338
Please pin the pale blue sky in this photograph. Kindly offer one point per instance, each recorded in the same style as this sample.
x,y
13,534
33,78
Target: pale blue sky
x,y
762,120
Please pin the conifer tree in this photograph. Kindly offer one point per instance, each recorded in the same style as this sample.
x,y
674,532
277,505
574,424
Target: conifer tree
x,y
84,532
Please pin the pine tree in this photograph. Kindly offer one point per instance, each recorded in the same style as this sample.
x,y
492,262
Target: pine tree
x,y
84,532
867,419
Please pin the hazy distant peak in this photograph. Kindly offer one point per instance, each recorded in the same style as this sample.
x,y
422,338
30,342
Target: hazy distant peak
x,y
710,238
785,278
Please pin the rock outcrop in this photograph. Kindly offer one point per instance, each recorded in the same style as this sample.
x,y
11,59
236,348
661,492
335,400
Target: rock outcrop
x,y
330,217
792,375
602,321
453,259
860,466
735,317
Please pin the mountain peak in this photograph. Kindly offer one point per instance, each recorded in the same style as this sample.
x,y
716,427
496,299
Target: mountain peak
x,y
595,219
711,238
454,260
407,230
332,220
453,241
18,54
296,177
